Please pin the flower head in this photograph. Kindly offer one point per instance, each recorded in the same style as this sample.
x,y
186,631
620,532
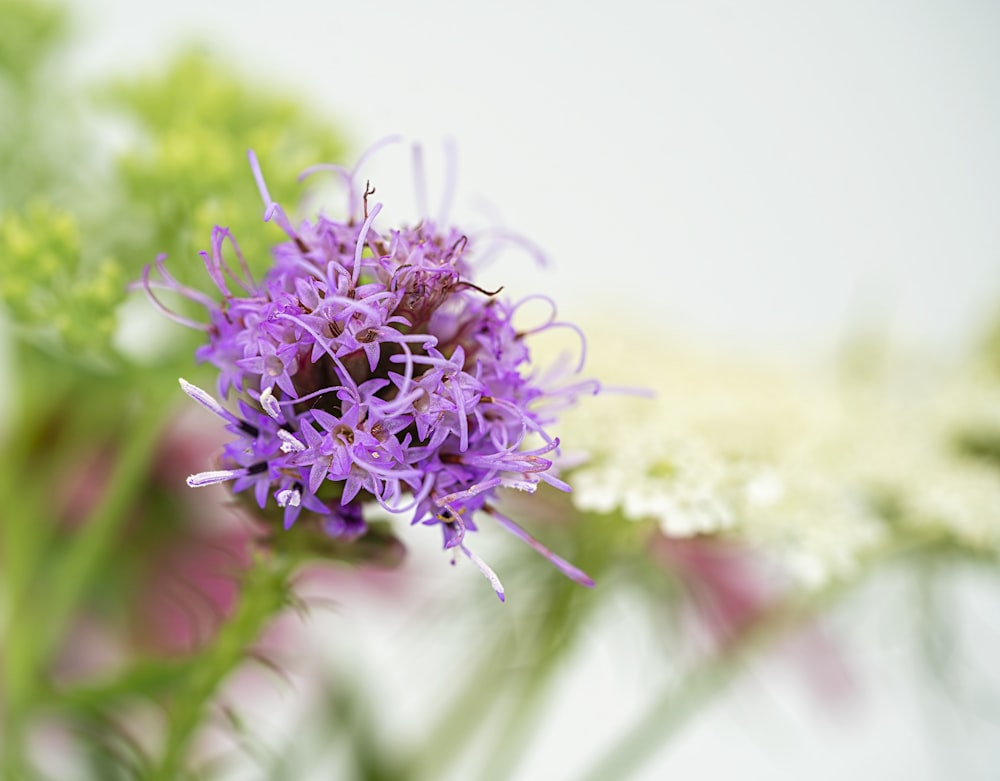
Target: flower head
x,y
372,370
812,466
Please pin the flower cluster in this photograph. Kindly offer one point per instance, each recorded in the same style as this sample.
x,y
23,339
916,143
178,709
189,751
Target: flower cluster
x,y
372,370
815,468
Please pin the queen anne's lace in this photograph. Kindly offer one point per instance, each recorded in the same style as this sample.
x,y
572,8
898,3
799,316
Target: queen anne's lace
x,y
371,369
813,468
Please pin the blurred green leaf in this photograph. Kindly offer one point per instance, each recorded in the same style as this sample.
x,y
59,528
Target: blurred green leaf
x,y
49,286
29,32
991,345
189,172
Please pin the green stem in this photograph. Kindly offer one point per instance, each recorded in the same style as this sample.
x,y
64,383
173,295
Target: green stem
x,y
509,683
85,556
31,637
529,697
680,702
485,687
458,724
264,593
507,689
521,720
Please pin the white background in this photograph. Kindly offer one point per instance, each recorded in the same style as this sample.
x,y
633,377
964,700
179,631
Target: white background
x,y
764,173
770,175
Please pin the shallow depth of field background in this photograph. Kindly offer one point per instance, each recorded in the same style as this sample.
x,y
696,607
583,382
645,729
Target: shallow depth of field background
x,y
773,177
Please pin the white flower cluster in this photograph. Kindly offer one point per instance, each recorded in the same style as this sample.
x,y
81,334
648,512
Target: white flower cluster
x,y
811,467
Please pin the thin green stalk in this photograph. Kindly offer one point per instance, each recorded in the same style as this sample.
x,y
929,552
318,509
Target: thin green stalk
x,y
86,553
33,631
19,545
455,728
493,684
26,492
682,701
510,702
527,706
264,593
530,693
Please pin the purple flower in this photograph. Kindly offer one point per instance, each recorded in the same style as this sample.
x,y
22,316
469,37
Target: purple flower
x,y
371,369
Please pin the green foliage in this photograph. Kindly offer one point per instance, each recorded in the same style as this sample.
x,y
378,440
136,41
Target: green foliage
x,y
49,286
981,442
186,172
38,124
189,172
991,345
29,31
87,509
